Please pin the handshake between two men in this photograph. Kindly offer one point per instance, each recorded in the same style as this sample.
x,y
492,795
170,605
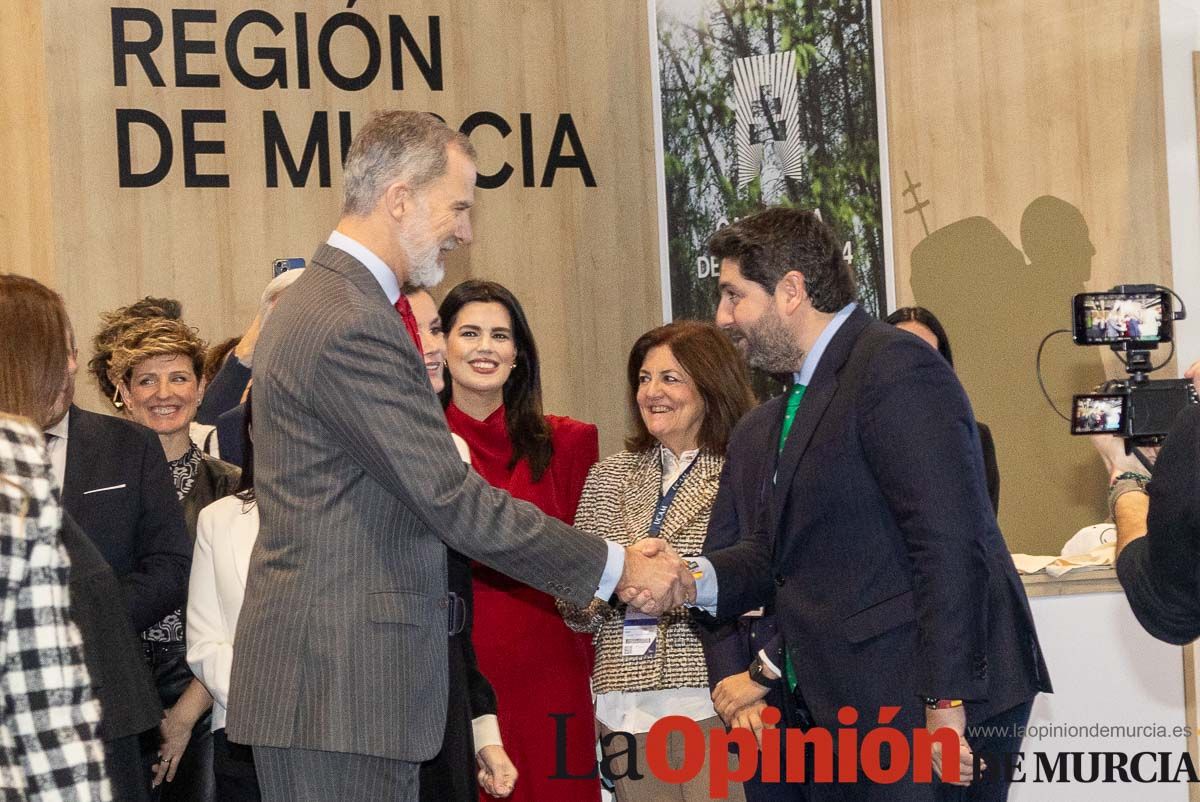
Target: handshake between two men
x,y
655,578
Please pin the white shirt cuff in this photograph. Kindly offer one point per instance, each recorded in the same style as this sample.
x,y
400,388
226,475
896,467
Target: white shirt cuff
x,y
486,731
613,568
706,585
766,661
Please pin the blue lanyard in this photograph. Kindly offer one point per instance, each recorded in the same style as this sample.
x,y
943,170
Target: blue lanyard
x,y
664,500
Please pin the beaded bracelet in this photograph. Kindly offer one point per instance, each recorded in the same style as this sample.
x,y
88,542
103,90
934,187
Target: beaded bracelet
x,y
1127,482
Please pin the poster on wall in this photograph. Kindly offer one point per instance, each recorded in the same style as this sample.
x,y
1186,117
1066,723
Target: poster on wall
x,y
766,102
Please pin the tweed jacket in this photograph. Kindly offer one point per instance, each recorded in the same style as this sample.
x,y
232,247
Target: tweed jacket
x,y
618,501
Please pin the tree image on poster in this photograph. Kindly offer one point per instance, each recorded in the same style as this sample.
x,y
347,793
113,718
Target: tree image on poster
x,y
767,103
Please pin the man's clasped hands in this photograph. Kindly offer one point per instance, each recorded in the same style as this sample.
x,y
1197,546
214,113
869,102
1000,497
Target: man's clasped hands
x,y
655,578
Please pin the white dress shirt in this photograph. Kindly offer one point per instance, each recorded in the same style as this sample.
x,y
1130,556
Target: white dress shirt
x,y
56,447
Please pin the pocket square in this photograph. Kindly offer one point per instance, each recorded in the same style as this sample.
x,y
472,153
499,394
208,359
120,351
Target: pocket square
x,y
102,489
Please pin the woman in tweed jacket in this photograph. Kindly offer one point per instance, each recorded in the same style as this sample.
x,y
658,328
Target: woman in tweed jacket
x,y
687,389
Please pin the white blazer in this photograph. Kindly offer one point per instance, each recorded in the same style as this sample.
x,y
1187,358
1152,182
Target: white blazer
x,y
225,535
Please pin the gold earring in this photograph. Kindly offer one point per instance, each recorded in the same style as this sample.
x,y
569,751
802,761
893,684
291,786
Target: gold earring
x,y
116,399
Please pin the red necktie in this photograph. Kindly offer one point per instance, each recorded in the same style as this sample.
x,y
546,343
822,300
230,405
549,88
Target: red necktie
x,y
410,321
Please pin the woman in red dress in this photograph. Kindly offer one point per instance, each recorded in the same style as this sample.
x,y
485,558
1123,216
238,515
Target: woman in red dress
x,y
538,667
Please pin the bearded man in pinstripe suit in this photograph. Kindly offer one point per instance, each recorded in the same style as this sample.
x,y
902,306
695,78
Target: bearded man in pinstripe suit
x,y
339,672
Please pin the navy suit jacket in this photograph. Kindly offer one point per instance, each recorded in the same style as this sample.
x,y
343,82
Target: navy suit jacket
x,y
117,487
729,647
878,547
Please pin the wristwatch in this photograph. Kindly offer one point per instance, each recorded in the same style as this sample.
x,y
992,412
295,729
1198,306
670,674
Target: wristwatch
x,y
940,704
756,675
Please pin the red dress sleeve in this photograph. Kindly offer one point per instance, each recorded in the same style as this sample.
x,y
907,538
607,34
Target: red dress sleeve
x,y
576,450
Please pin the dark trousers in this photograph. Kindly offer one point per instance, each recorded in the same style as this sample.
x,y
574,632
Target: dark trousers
x,y
194,776
233,767
123,759
308,775
991,787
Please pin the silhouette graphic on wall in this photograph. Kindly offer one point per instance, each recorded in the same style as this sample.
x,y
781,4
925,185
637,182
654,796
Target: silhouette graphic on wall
x,y
997,304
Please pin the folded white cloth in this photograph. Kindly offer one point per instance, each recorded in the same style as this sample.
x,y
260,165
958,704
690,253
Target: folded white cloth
x,y
1099,557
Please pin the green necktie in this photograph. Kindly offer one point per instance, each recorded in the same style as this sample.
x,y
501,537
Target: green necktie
x,y
789,417
795,394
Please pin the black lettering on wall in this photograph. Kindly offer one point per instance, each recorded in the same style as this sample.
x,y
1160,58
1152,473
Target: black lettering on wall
x,y
141,49
184,47
489,118
192,147
556,160
276,74
316,147
431,68
126,177
527,149
350,83
302,79
345,133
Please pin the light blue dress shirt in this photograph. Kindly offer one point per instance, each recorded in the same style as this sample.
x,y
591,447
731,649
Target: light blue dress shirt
x,y
706,585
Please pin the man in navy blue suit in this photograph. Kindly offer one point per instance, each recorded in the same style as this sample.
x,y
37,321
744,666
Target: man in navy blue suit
x,y
874,540
736,652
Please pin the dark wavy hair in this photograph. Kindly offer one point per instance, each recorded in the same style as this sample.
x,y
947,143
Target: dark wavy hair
x,y
523,414
716,369
919,314
768,244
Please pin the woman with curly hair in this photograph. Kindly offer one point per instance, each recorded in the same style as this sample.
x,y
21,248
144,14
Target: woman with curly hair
x,y
156,367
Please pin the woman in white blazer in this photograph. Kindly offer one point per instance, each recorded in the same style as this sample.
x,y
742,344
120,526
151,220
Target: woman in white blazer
x,y
225,535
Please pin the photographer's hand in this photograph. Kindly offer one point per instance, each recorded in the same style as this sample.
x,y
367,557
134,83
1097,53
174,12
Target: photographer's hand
x,y
1112,451
1193,373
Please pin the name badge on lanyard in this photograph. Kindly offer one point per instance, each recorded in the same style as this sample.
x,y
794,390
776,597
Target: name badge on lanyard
x,y
639,635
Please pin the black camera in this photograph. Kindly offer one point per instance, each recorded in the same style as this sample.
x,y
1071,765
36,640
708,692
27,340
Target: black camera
x,y
1132,319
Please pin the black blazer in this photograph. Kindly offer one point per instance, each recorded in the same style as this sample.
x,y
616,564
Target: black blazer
x,y
120,679
879,549
118,489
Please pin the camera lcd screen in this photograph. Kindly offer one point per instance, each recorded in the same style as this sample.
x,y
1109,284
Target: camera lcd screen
x,y
1103,318
1098,414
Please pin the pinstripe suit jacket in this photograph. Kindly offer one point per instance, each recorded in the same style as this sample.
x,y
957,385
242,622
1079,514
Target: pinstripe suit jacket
x,y
341,643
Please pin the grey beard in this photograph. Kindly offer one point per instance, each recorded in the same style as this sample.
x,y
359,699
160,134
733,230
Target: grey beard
x,y
427,275
423,268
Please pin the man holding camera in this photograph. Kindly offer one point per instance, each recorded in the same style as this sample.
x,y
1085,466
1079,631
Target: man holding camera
x,y
1158,527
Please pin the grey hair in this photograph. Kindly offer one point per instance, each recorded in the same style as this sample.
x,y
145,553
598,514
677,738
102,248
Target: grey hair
x,y
408,146
273,290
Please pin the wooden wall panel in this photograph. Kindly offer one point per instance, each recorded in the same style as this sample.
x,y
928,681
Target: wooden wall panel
x,y
1035,133
582,259
25,208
